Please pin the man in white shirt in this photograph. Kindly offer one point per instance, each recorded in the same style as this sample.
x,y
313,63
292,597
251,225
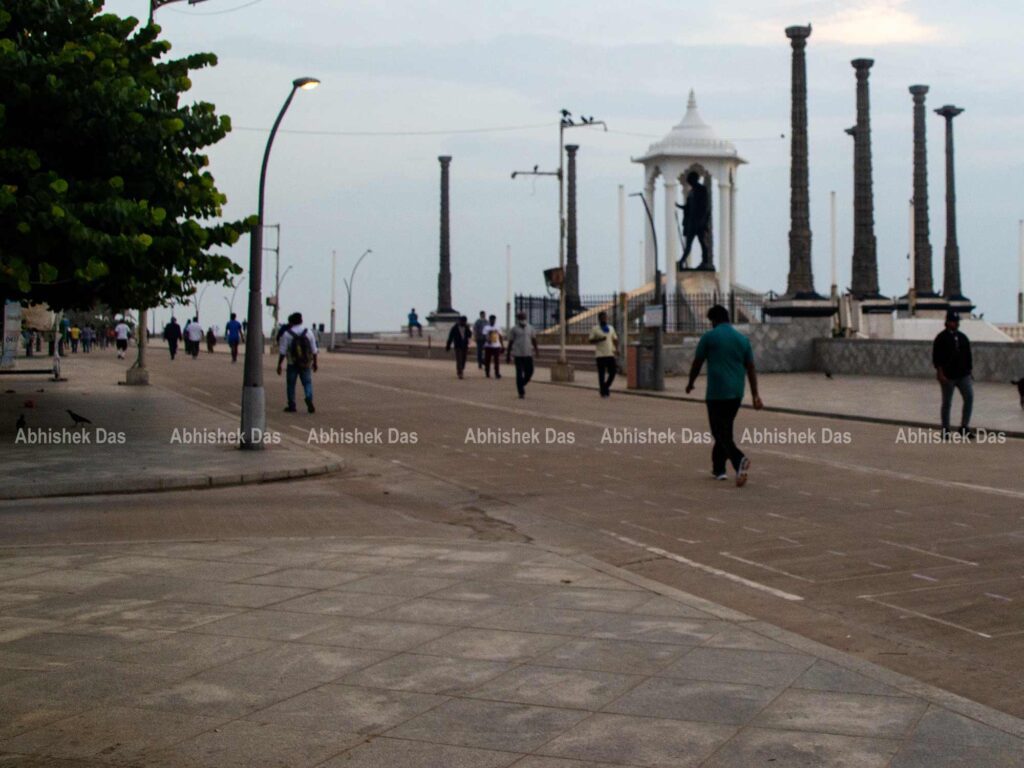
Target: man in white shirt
x,y
297,344
194,334
605,341
493,345
121,334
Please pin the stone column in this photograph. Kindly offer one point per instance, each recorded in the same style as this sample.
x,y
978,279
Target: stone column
x,y
725,247
951,278
923,284
572,264
801,278
444,277
732,231
672,246
865,258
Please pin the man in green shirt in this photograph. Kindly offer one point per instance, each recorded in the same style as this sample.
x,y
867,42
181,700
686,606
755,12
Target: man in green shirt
x,y
729,357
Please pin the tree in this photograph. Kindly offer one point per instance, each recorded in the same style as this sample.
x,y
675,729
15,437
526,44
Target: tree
x,y
104,192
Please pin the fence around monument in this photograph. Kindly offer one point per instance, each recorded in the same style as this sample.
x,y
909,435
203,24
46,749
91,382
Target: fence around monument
x,y
683,313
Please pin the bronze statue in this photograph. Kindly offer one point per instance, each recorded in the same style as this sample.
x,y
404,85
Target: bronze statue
x,y
696,218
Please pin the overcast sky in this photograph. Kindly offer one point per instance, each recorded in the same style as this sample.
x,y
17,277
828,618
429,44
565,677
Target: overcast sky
x,y
438,67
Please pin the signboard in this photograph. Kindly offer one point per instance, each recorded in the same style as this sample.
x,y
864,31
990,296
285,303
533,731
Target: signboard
x,y
12,334
654,316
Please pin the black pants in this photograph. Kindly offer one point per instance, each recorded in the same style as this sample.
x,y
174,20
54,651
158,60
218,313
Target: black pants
x,y
172,346
605,374
460,360
480,353
524,372
492,353
721,415
234,350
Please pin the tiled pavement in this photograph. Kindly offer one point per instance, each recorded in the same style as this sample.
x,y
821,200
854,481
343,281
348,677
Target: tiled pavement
x,y
370,653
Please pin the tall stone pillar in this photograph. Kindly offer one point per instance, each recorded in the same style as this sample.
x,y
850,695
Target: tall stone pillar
x,y
951,277
864,284
800,299
725,246
923,282
801,279
444,312
650,258
572,264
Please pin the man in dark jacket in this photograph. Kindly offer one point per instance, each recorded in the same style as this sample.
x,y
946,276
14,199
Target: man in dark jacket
x,y
172,335
951,356
696,217
459,337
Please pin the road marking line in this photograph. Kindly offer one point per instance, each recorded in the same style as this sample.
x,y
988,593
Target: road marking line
x,y
766,567
586,485
612,477
610,493
922,576
234,405
836,552
926,552
925,616
994,596
658,533
879,565
201,391
901,512
805,493
301,429
753,530
650,503
716,520
680,511
791,541
962,525
706,568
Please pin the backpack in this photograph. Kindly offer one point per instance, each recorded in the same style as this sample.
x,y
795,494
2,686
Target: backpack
x,y
300,351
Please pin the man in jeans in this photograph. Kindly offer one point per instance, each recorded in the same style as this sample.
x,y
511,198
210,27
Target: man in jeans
x,y
522,345
951,356
459,337
729,356
480,338
605,341
298,344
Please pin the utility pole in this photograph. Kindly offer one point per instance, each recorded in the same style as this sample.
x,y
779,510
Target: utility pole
x,y
276,250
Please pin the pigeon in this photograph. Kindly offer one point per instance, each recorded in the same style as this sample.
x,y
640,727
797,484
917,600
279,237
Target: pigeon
x,y
21,422
78,418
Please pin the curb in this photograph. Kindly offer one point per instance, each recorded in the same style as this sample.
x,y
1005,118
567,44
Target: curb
x,y
160,484
791,411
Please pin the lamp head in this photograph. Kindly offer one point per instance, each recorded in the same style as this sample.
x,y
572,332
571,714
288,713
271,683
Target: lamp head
x,y
306,83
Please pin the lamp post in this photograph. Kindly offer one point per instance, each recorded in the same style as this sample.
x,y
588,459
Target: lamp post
x,y
235,287
254,406
154,4
659,368
348,290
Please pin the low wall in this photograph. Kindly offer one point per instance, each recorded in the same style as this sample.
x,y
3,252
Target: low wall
x,y
993,361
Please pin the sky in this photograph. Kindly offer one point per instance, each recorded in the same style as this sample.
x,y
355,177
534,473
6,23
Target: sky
x,y
355,164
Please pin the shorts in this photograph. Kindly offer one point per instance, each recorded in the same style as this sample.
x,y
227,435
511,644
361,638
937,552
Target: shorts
x,y
122,344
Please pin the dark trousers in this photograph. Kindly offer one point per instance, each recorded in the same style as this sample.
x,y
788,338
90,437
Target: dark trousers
x,y
721,415
172,346
524,372
605,374
480,353
234,351
492,354
460,360
964,384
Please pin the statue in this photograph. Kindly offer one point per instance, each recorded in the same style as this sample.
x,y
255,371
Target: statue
x,y
696,219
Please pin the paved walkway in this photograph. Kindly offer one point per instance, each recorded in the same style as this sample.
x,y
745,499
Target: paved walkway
x,y
428,653
139,439
872,398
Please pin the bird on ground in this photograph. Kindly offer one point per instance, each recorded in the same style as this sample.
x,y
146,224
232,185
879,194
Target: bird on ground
x,y
828,374
78,418
21,422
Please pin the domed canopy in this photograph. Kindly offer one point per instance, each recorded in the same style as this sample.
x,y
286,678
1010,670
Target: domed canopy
x,y
691,138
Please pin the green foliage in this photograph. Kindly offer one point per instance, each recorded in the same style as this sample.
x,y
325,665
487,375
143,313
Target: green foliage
x,y
104,192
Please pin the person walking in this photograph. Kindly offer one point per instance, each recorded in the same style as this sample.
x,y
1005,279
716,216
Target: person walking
x,y
172,335
459,337
297,344
234,336
494,343
522,345
606,347
75,333
88,337
121,334
211,339
729,356
951,356
414,322
194,335
480,338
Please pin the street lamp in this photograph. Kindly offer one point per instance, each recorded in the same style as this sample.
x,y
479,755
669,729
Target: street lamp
x,y
235,287
658,365
254,405
348,290
154,4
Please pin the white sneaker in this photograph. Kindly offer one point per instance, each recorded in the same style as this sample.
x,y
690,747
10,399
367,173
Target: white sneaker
x,y
741,473
722,476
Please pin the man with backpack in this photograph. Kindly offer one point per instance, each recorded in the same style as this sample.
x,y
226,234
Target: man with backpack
x,y
298,344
